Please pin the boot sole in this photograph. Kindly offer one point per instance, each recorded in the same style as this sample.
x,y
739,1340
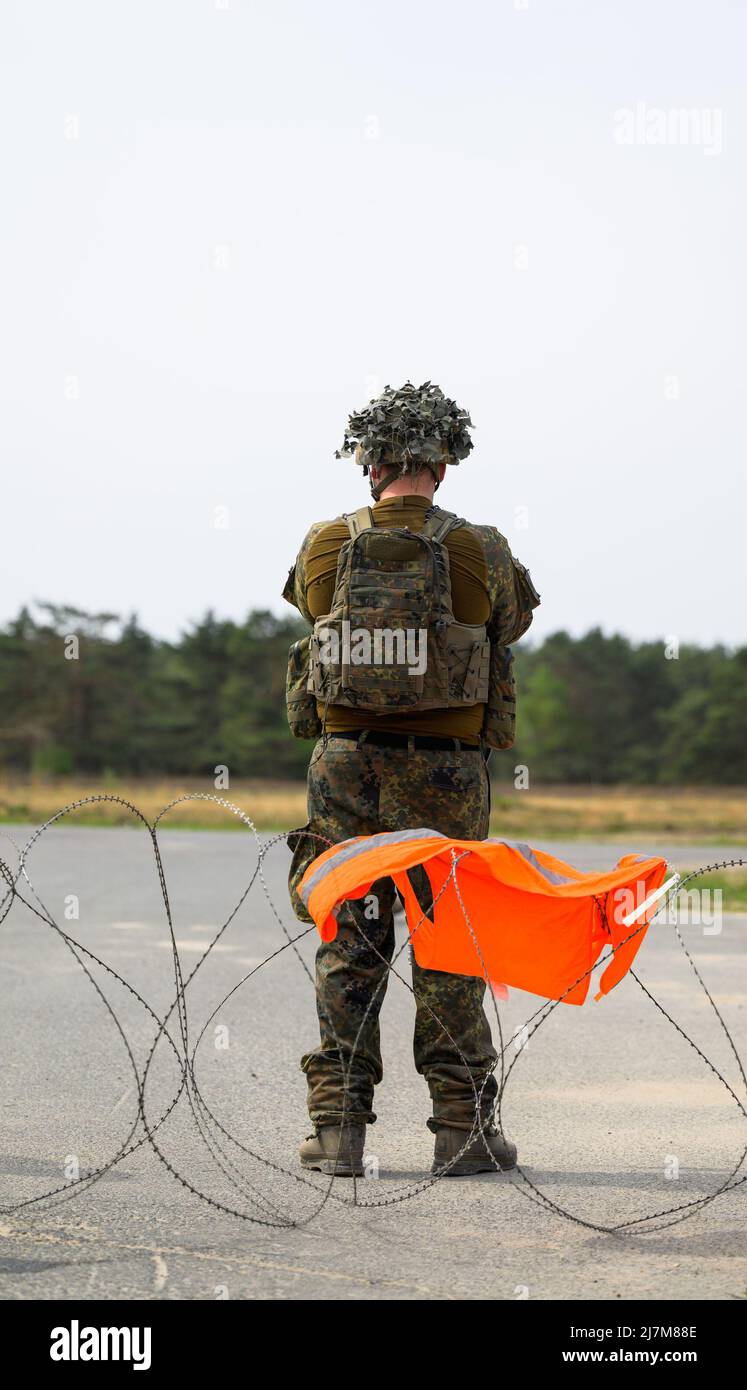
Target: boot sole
x,y
465,1168
333,1169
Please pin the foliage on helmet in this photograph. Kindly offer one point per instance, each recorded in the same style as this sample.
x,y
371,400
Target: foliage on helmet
x,y
415,425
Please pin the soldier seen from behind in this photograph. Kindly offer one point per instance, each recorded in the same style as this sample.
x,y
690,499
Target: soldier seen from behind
x,y
406,684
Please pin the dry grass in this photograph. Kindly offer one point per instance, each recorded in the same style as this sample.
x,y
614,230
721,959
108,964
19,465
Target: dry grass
x,y
271,805
697,814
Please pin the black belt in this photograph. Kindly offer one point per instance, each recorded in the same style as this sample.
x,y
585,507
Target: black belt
x,y
379,739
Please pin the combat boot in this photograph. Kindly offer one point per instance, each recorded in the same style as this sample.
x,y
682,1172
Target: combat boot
x,y
336,1150
477,1155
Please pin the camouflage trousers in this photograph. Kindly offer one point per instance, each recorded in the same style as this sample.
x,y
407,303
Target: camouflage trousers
x,y
358,790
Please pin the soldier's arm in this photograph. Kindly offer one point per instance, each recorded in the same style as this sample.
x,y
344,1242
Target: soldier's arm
x,y
295,585
512,592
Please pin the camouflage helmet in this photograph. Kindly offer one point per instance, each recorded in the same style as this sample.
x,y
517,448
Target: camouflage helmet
x,y
412,428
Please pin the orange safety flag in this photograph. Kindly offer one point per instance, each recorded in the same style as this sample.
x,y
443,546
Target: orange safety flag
x,y
537,923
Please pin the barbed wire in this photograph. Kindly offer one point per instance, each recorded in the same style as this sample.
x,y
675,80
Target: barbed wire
x,y
226,1151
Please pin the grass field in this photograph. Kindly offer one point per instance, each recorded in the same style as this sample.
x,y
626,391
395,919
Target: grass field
x,y
699,815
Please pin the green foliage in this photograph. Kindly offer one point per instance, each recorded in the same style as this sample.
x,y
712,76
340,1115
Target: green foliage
x,y
602,710
593,709
132,705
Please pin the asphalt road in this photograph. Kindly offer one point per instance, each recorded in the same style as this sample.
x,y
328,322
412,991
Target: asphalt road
x,y
615,1115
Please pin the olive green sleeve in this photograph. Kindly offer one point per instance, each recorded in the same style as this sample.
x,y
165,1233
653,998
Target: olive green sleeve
x,y
295,585
512,593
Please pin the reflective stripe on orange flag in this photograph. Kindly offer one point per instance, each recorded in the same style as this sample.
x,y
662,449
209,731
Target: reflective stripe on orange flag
x,y
538,923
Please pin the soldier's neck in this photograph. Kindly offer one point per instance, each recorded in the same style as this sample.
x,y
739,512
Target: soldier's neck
x,y
403,487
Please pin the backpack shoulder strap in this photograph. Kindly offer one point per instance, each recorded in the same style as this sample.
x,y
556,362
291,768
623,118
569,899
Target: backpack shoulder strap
x,y
438,523
359,521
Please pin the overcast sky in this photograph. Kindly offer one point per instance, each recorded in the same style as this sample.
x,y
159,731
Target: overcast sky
x,y
225,225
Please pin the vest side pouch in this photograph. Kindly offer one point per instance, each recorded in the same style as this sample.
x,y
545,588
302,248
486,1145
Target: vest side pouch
x,y
499,723
326,648
468,664
300,702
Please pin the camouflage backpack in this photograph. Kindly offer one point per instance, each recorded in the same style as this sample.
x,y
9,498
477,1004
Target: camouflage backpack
x,y
391,640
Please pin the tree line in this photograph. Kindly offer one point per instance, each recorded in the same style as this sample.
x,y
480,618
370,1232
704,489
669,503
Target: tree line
x,y
92,694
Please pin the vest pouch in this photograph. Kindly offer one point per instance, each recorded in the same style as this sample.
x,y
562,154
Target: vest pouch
x,y
325,658
389,603
499,724
370,653
369,668
300,702
468,662
382,671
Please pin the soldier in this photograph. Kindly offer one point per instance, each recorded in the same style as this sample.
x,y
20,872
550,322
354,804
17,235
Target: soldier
x,y
402,742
